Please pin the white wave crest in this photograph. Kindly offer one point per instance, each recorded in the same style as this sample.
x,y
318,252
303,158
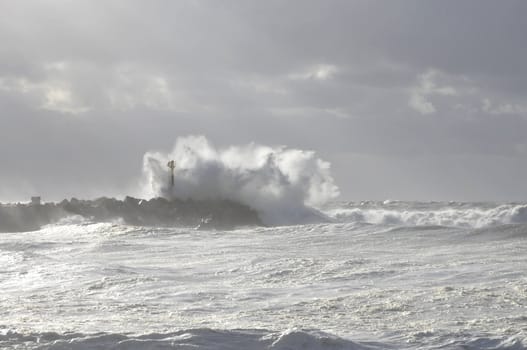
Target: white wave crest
x,y
280,183
462,217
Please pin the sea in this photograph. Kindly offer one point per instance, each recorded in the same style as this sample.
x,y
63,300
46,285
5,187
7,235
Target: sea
x,y
374,275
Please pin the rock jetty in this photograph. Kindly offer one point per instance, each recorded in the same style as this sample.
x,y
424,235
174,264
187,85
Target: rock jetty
x,y
210,214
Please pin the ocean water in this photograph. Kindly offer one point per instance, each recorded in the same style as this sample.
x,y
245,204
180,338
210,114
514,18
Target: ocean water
x,y
379,275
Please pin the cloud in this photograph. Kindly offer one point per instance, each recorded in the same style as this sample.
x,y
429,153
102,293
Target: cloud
x,y
503,108
77,87
419,102
52,95
426,88
61,99
131,87
316,72
260,85
306,112
436,89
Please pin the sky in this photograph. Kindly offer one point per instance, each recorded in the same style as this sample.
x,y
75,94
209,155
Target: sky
x,y
410,100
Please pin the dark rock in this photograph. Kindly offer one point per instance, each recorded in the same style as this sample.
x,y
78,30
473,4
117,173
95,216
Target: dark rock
x,y
218,214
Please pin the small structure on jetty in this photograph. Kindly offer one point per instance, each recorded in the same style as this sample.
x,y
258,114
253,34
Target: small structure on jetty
x,y
172,165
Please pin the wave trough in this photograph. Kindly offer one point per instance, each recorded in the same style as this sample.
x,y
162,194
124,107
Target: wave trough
x,y
203,339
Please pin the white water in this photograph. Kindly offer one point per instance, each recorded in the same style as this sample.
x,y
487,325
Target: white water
x,y
364,282
430,214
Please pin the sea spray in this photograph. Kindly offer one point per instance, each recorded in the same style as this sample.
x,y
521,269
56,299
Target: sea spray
x,y
282,184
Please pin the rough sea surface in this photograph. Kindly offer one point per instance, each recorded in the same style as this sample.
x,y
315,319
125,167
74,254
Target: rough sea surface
x,y
381,275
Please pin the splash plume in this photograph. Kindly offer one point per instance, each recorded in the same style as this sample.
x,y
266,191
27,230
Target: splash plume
x,y
282,184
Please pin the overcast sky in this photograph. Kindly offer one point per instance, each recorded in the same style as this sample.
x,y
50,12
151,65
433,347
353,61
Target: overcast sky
x,y
414,99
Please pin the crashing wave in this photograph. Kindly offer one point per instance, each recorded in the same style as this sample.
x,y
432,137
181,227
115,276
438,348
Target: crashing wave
x,y
437,214
283,185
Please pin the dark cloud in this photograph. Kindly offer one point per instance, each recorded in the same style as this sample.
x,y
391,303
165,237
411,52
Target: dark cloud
x,y
408,99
